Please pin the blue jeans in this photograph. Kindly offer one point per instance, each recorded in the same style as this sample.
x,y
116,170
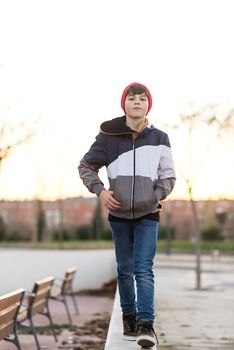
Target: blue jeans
x,y
135,248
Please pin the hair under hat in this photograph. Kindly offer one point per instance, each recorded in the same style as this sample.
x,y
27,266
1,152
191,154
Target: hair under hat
x,y
125,92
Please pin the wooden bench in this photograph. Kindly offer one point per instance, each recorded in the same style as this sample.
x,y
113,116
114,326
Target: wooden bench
x,y
59,292
37,303
9,308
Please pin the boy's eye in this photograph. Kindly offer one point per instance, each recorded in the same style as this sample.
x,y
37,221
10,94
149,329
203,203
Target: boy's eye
x,y
132,98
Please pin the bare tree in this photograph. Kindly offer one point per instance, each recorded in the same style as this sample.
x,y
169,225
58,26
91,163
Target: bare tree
x,y
213,122
13,135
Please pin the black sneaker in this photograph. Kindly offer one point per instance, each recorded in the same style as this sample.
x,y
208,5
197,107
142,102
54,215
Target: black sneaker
x,y
146,336
129,326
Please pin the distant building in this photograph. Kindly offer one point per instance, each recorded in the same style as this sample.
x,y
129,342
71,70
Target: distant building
x,y
179,214
70,213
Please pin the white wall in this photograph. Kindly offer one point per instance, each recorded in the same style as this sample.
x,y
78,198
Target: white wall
x,y
22,267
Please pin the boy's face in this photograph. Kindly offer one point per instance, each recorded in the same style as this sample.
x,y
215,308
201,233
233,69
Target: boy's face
x,y
136,106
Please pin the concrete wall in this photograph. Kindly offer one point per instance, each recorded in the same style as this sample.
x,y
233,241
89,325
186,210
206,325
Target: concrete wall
x,y
22,267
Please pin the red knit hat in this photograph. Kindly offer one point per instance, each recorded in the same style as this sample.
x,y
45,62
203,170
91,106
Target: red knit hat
x,y
124,94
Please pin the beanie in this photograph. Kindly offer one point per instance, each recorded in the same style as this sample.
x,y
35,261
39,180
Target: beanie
x,y
124,94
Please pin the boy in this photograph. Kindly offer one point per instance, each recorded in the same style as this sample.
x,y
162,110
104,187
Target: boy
x,y
140,173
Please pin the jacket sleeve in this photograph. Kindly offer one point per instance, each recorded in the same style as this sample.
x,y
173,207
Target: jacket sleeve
x,y
90,164
166,172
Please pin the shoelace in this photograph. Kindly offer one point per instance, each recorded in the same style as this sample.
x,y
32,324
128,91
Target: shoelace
x,y
148,327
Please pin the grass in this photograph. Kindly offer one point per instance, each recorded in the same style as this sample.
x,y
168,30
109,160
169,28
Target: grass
x,y
102,244
189,247
177,246
46,329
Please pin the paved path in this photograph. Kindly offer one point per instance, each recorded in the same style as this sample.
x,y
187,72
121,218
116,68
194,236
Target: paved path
x,y
187,319
191,319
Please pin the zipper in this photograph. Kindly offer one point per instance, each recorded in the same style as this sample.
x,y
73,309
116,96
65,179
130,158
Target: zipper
x,y
133,181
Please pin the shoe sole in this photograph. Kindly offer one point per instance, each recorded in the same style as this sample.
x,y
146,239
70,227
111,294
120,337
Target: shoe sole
x,y
146,341
130,337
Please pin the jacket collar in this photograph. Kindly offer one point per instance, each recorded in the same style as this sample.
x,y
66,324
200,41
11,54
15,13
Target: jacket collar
x,y
117,126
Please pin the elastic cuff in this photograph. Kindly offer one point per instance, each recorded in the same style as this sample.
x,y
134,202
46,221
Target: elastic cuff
x,y
159,193
97,189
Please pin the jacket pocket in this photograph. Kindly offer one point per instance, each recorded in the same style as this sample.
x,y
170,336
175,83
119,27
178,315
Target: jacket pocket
x,y
145,199
122,187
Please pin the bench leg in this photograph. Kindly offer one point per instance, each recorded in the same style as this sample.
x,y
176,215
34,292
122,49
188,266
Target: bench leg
x,y
17,343
14,341
67,310
33,329
51,324
75,302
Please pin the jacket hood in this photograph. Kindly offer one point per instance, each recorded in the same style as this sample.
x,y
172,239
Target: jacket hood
x,y
117,126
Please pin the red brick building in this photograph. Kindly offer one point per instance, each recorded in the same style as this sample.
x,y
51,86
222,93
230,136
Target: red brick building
x,y
179,214
70,213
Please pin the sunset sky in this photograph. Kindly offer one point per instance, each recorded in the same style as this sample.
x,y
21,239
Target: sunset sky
x,y
69,61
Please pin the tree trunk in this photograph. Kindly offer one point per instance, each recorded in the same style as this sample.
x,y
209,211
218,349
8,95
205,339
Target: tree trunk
x,y
198,243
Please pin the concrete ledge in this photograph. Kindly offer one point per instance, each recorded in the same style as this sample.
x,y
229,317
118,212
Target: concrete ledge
x,y
115,339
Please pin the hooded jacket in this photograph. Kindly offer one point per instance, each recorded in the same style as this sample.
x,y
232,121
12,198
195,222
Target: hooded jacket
x,y
139,167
